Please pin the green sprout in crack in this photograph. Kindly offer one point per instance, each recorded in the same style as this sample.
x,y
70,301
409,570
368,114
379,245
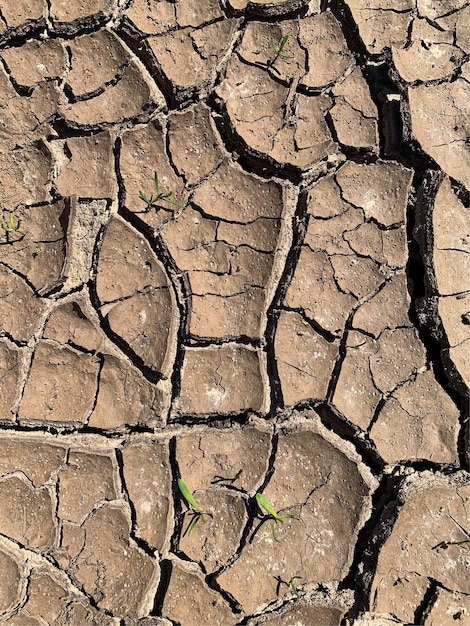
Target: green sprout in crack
x,y
278,518
278,48
359,345
293,586
12,227
192,504
159,196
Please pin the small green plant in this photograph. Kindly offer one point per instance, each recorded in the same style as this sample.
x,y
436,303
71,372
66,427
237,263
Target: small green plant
x,y
191,502
278,518
293,586
11,227
359,345
159,196
278,48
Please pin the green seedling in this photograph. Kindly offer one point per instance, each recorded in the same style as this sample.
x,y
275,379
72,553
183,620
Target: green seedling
x,y
278,48
293,586
359,345
11,227
278,518
159,196
191,502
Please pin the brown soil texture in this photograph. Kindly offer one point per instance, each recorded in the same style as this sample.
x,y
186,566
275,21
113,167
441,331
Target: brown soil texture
x,y
235,252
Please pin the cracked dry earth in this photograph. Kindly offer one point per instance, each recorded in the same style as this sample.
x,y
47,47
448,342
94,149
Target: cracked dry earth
x,y
294,320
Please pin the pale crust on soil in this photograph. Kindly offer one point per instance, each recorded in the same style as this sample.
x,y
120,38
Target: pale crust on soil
x,y
289,315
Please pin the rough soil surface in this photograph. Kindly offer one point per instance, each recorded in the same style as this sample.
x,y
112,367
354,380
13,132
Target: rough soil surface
x,y
287,315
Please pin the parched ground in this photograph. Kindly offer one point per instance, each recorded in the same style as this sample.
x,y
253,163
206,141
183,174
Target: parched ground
x,y
288,314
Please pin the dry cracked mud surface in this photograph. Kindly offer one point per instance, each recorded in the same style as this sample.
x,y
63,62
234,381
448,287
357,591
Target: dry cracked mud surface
x,y
288,314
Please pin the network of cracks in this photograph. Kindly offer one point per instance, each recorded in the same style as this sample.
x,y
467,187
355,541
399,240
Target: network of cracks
x,y
235,253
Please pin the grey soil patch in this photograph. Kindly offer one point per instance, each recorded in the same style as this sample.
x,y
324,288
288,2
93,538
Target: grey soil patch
x,y
287,315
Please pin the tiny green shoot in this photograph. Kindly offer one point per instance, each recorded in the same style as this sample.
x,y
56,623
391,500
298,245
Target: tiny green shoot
x,y
191,502
12,227
278,48
278,518
292,585
358,345
159,196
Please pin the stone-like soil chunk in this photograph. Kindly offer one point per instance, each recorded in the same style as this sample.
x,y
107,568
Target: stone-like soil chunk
x,y
221,379
447,234
118,91
305,359
36,61
125,397
37,250
21,310
212,543
29,516
10,581
382,24
311,613
148,483
25,174
448,609
137,304
326,478
153,18
192,57
86,482
63,14
194,144
267,7
423,545
39,461
18,13
89,170
61,385
68,324
9,379
314,290
419,420
439,121
119,576
354,114
206,605
380,189
25,121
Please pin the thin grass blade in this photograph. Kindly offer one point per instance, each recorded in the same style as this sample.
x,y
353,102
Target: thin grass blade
x,y
266,504
188,496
